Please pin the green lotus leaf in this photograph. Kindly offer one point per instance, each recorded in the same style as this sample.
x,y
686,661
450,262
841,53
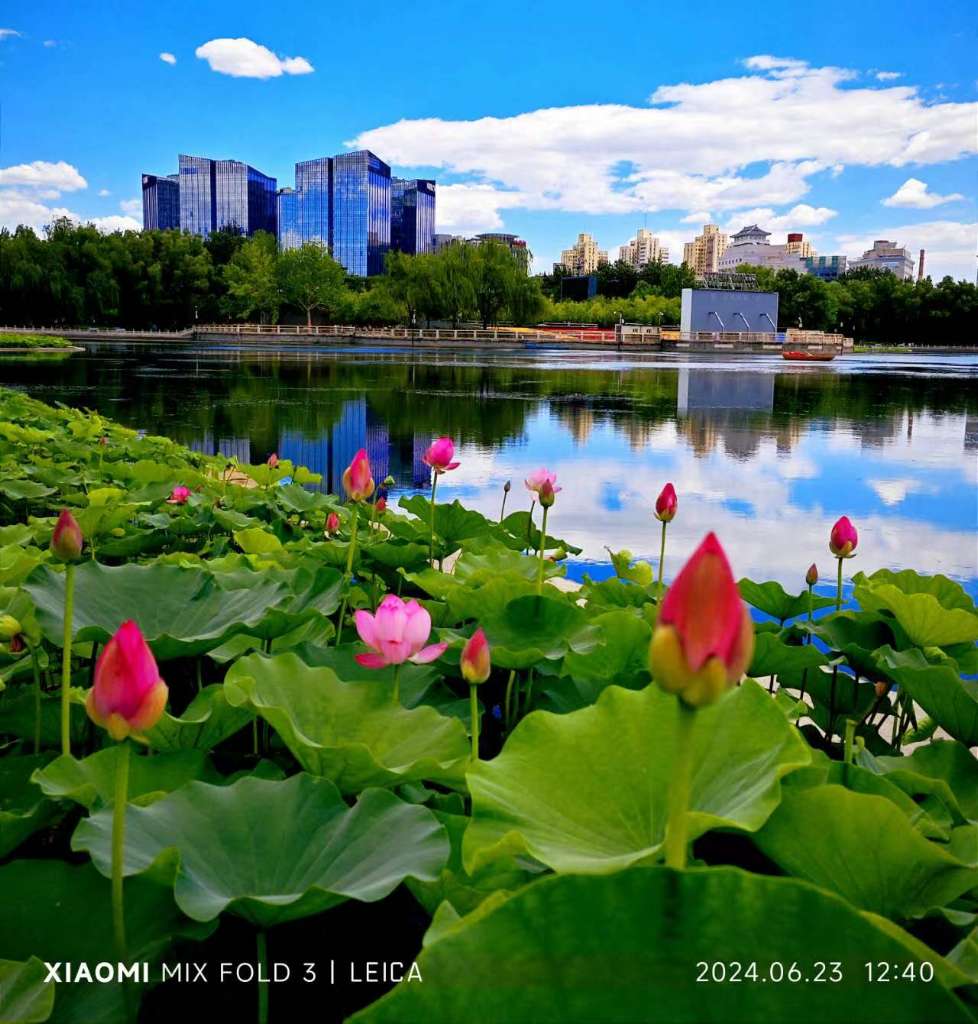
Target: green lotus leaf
x,y
944,769
938,688
857,635
864,847
773,657
207,720
25,997
351,733
17,716
91,780
630,946
589,791
518,531
238,847
772,599
23,809
921,614
24,490
614,593
453,523
257,541
60,912
947,592
181,611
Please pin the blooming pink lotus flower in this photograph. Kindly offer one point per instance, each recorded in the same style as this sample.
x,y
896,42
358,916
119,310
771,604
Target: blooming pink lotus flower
x,y
704,638
396,633
332,523
67,539
811,577
547,494
272,460
538,478
843,538
666,504
440,454
128,696
476,662
357,479
179,495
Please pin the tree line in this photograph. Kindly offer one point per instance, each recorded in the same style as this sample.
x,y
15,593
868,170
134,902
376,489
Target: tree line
x,y
74,275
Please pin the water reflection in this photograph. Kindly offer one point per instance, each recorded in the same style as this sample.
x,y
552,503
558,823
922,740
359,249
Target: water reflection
x,y
765,453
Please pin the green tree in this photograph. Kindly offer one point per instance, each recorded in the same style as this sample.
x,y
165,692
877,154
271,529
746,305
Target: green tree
x,y
455,274
311,280
252,280
493,271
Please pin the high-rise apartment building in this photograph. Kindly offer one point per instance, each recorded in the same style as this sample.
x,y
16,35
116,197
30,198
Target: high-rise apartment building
x,y
584,257
412,215
643,249
702,255
886,256
514,243
161,202
217,194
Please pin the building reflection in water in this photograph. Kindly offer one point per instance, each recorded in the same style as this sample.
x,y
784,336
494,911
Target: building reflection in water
x,y
330,453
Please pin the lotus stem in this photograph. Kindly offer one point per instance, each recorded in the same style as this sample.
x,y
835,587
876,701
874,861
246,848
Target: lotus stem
x,y
508,698
838,591
349,571
849,737
118,848
680,789
37,700
502,510
261,942
543,547
434,485
66,660
474,709
529,525
662,559
397,684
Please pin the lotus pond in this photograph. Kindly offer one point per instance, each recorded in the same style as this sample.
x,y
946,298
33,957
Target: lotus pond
x,y
249,723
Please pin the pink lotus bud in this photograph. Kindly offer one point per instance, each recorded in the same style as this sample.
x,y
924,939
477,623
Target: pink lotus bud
x,y
704,638
357,480
179,495
381,505
811,577
476,661
396,633
332,523
666,504
67,540
440,454
272,460
128,696
538,478
843,538
547,494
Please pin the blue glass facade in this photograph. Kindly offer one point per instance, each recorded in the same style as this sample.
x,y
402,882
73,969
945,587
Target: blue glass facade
x,y
216,194
287,219
360,222
314,183
161,202
828,268
412,215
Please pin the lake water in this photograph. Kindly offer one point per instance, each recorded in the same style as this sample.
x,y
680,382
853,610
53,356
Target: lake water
x,y
767,454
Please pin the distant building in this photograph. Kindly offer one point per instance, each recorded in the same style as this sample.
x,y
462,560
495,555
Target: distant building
x,y
442,241
750,245
161,202
578,289
412,215
289,226
887,256
643,249
702,255
514,243
726,310
798,246
217,194
828,268
584,257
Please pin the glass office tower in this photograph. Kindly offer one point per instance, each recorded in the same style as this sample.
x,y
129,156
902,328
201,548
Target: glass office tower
x,y
161,202
289,226
412,215
314,183
216,194
360,222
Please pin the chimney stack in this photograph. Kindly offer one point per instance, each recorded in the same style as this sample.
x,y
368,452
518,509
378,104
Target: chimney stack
x,y
920,266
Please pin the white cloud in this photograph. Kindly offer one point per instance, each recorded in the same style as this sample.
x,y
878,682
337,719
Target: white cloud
x,y
697,217
894,492
104,192
111,223
695,147
8,33
888,76
913,193
18,208
60,176
800,216
468,209
950,245
168,58
244,58
133,207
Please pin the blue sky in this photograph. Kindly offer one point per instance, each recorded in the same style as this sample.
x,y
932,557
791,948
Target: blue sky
x,y
546,119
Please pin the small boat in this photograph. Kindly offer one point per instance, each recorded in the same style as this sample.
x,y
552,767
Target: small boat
x,y
807,357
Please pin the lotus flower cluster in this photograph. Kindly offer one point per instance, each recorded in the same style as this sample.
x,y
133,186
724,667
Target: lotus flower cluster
x,y
440,455
397,632
704,638
128,696
357,479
